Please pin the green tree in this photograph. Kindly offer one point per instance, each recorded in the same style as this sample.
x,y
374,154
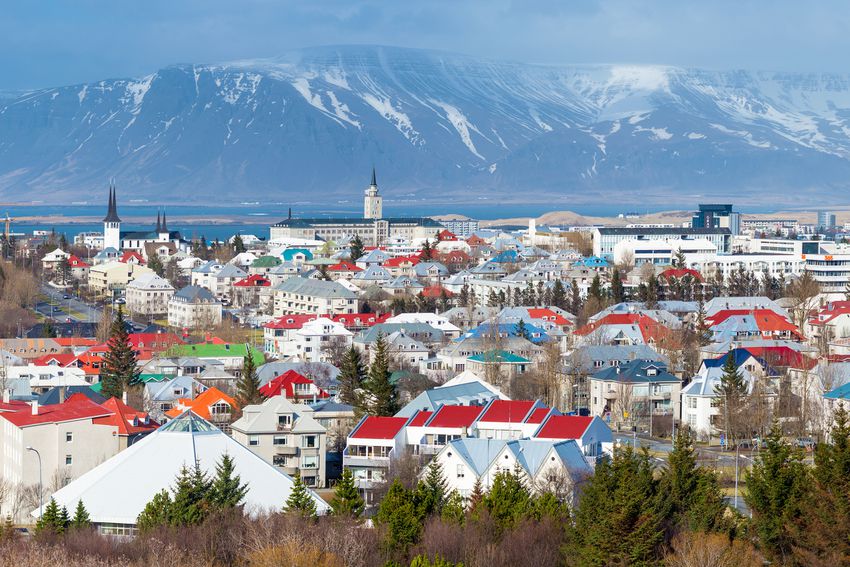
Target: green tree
x,y
508,500
119,371
226,490
776,485
559,295
51,520
399,514
424,561
596,288
300,501
248,386
575,298
617,292
434,488
618,520
454,510
156,513
731,393
351,373
48,331
190,506
822,533
155,264
427,253
693,493
356,249
347,501
383,394
522,330
81,519
64,270
238,245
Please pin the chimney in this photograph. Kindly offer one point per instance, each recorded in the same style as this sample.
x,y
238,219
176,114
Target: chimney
x,y
61,394
34,405
124,397
6,396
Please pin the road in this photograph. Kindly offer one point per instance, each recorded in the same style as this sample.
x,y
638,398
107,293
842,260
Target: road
x,y
63,309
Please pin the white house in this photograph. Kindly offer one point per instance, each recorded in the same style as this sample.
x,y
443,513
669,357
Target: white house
x,y
148,295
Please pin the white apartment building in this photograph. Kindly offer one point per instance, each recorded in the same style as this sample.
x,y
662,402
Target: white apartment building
x,y
298,295
193,307
309,343
105,278
148,295
286,435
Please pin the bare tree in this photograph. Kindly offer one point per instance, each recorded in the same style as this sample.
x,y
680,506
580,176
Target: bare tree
x,y
803,293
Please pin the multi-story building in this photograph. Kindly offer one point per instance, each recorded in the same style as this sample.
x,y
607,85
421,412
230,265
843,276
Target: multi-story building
x,y
631,392
717,216
298,295
194,307
461,227
606,238
110,277
287,435
148,295
826,220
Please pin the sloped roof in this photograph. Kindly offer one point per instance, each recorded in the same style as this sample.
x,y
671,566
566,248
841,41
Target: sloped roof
x,y
375,427
202,402
564,427
152,464
455,416
284,385
508,411
420,418
76,407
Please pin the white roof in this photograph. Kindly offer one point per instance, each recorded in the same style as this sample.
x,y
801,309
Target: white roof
x,y
468,376
152,464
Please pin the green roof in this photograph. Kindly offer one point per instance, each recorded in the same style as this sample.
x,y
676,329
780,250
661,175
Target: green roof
x,y
208,350
144,378
499,357
266,262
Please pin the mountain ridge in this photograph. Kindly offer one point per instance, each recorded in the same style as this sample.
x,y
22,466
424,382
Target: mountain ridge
x,y
438,126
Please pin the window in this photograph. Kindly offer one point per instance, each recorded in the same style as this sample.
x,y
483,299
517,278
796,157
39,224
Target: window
x,y
69,460
279,460
279,440
308,441
253,440
69,437
284,421
461,471
310,462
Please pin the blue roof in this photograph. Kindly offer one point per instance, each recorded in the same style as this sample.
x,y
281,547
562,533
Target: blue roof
x,y
468,393
741,356
839,393
289,253
536,334
592,262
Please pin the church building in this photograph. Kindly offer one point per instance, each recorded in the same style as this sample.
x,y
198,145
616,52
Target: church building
x,y
144,242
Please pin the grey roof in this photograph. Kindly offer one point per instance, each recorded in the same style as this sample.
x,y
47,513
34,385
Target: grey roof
x,y
112,207
194,294
403,282
466,394
354,221
316,288
659,231
586,355
51,396
529,453
262,418
208,267
267,372
421,269
373,272
230,271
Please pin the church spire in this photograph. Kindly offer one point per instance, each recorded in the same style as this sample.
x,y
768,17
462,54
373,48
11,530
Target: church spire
x,y
112,207
164,227
374,179
158,225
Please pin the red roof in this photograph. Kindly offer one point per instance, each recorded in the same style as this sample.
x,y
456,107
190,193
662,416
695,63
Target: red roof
x,y
420,418
475,240
290,321
650,329
126,419
455,416
783,356
76,407
446,235
765,319
507,411
131,255
75,262
283,386
679,273
154,341
436,291
374,427
61,359
254,280
830,311
75,341
344,267
564,427
399,260
538,415
548,315
361,319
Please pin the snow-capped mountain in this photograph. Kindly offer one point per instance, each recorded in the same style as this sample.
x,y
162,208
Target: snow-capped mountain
x,y
310,124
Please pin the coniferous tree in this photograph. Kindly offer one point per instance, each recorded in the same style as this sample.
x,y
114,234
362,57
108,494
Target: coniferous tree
x,y
238,245
434,488
776,485
48,331
617,292
189,506
350,377
575,298
300,501
427,253
155,264
692,492
619,520
248,387
356,249
226,490
383,394
559,295
156,513
119,371
399,513
508,500
596,288
81,519
347,501
51,520
454,510
64,269
522,330
64,518
732,392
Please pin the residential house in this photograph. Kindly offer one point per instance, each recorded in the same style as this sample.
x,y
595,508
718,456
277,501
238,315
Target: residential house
x,y
592,435
148,295
298,295
194,307
633,391
212,405
370,447
293,386
105,279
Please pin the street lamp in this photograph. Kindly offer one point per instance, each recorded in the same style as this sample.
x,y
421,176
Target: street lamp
x,y
40,486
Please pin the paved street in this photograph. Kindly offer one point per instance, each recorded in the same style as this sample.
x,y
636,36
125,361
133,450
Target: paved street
x,y
63,309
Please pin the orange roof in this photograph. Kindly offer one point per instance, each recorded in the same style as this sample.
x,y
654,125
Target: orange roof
x,y
652,330
75,341
679,273
126,419
345,267
548,315
399,260
436,291
202,403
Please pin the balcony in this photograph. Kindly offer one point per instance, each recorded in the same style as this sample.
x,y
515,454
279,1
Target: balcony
x,y
369,461
287,450
425,449
289,469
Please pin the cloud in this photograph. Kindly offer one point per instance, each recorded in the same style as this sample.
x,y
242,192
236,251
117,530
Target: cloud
x,y
84,40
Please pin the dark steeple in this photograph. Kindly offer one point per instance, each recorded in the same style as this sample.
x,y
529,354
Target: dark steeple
x,y
164,227
374,180
112,211
158,225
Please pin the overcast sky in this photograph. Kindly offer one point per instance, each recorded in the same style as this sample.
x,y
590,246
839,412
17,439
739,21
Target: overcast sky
x,y
49,43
